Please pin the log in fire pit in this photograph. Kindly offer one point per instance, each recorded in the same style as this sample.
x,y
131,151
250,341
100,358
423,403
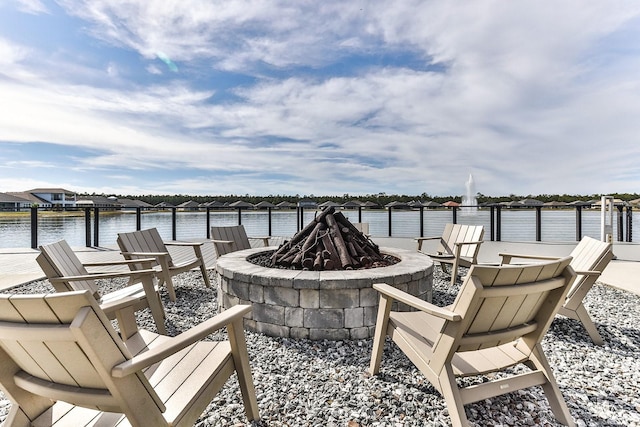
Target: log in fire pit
x,y
330,242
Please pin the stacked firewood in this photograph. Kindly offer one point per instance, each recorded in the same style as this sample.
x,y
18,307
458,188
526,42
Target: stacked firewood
x,y
329,242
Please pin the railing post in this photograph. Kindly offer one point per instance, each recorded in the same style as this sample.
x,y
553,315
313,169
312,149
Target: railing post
x,y
421,221
138,218
454,213
300,218
629,224
174,232
498,223
390,209
87,227
492,217
96,226
359,213
620,224
208,222
538,223
239,216
578,223
34,227
269,220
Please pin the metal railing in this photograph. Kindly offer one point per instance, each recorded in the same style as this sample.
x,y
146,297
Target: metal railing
x,y
92,221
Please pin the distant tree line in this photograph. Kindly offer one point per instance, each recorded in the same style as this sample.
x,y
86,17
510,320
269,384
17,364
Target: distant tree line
x,y
379,198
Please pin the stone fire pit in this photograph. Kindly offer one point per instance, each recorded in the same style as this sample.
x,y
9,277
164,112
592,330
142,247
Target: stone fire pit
x,y
317,305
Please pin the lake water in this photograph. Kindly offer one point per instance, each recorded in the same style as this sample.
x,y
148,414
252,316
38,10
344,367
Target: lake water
x,y
517,225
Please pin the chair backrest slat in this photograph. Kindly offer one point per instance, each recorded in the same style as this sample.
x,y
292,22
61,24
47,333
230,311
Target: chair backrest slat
x,y
148,240
58,260
589,255
456,233
235,233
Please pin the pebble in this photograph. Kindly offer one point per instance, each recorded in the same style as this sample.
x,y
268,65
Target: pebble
x,y
325,383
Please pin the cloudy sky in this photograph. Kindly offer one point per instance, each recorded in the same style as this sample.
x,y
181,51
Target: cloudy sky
x,y
320,97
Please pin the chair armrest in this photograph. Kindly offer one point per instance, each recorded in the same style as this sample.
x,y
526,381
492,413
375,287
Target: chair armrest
x,y
416,302
224,242
147,254
105,275
265,239
179,342
192,244
477,242
507,257
588,273
422,239
121,262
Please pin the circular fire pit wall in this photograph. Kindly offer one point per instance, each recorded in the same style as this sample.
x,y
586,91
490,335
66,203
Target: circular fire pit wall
x,y
317,305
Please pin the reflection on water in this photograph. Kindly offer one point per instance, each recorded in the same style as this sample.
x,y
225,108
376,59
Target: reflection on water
x,y
516,225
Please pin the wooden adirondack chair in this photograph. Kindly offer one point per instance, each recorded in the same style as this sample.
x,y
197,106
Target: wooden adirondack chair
x,y
63,364
459,246
497,321
590,258
67,273
148,243
232,238
363,227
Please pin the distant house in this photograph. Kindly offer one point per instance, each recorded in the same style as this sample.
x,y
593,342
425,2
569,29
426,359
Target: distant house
x,y
33,200
129,203
188,206
57,197
9,202
286,205
102,202
164,205
307,203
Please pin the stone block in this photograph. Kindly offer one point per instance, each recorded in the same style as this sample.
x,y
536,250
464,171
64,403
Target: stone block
x,y
282,296
299,333
229,301
307,280
268,314
328,334
238,289
323,318
354,317
294,317
272,330
256,293
369,297
309,298
339,298
370,315
359,333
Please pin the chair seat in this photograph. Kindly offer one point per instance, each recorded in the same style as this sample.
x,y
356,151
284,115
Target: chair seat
x,y
123,297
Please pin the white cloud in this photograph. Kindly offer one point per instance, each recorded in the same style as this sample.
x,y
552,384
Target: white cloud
x,y
32,6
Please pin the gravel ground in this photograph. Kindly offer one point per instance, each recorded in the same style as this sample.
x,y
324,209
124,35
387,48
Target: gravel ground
x,y
324,383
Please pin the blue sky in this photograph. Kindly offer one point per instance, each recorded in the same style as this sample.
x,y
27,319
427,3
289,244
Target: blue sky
x,y
320,97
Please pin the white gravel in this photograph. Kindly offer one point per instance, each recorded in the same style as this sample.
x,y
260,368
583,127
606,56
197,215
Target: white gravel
x,y
324,383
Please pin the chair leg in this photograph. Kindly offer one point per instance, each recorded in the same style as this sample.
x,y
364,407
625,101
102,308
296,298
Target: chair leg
x,y
452,397
241,361
205,275
382,323
154,302
538,361
585,319
203,267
